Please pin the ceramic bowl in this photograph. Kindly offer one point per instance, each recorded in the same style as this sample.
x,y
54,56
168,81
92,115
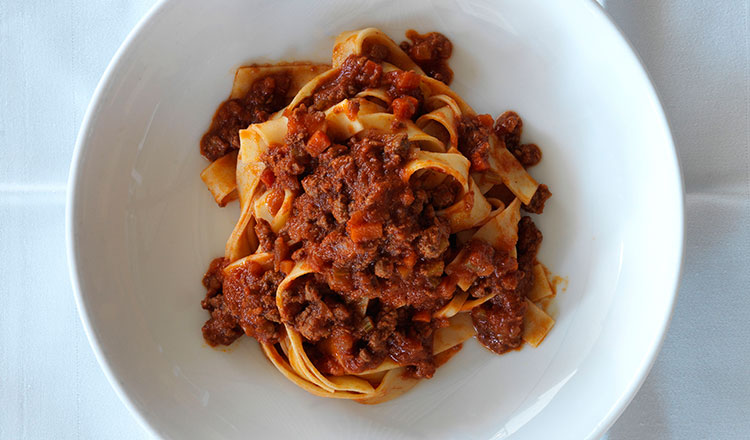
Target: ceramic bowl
x,y
142,228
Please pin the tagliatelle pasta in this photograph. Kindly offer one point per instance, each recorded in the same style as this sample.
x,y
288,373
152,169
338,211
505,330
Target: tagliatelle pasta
x,y
220,178
380,221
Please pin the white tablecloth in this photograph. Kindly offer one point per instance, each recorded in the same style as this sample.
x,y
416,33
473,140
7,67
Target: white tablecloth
x,y
52,54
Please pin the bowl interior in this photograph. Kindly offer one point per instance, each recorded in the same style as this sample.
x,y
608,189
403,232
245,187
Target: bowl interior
x,y
143,227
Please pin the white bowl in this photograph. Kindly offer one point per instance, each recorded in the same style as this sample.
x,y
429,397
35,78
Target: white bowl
x,y
142,228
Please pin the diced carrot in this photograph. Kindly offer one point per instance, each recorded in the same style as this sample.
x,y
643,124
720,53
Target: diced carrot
x,y
405,107
422,52
275,200
407,80
485,120
318,142
267,177
357,217
407,264
364,231
410,260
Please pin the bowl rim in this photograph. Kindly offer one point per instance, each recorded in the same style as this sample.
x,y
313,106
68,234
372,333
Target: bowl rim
x,y
617,407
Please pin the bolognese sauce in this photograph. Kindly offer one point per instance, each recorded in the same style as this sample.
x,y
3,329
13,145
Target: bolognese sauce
x,y
264,97
378,245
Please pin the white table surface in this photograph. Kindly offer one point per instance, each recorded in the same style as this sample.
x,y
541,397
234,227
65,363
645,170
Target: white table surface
x,y
52,54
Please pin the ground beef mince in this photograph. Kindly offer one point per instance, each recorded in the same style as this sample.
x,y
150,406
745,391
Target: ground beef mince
x,y
222,328
314,309
265,96
474,140
366,230
370,236
500,326
528,154
495,269
536,204
357,73
431,52
508,128
250,295
499,322
265,235
411,344
529,241
445,194
358,346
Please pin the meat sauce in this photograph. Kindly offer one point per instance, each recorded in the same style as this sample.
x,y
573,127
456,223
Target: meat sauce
x,y
431,52
377,246
264,97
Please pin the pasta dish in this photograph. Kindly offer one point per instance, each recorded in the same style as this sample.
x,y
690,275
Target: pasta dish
x,y
380,220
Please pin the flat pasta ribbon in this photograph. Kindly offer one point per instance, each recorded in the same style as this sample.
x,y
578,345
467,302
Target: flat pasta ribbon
x,y
442,123
221,178
254,141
